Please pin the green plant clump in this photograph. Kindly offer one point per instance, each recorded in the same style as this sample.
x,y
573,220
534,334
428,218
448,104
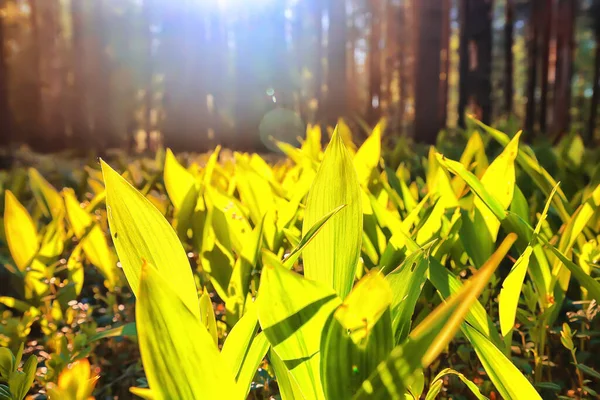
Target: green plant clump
x,y
344,273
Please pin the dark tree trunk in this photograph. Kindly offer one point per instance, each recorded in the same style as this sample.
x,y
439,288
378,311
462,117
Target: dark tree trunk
x,y
592,122
595,95
429,14
79,100
403,73
476,60
337,104
35,134
374,99
565,48
104,129
5,116
508,57
532,57
445,63
545,61
390,54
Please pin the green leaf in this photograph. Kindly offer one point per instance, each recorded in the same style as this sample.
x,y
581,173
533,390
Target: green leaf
x,y
126,330
406,283
367,157
93,241
244,350
288,388
23,243
292,311
499,181
511,288
5,393
182,190
180,358
447,284
46,195
573,229
505,376
7,362
588,371
308,236
511,291
239,283
395,376
332,257
476,186
437,384
207,316
20,382
178,180
141,233
529,164
357,337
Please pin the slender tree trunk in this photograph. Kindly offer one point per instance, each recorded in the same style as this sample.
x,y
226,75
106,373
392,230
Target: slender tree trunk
x,y
403,73
390,55
592,122
374,99
337,103
463,68
476,60
429,14
5,115
545,61
445,63
508,57
79,100
565,48
104,130
532,57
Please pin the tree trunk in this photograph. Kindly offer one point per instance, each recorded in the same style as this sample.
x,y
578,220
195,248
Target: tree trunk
x,y
390,55
104,132
592,122
565,48
79,99
5,115
403,75
429,43
545,61
476,60
337,104
595,95
374,99
445,63
463,67
532,57
508,57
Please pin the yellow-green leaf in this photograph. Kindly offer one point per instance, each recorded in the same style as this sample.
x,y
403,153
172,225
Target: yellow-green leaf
x,y
142,234
499,181
180,358
92,239
292,311
332,257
